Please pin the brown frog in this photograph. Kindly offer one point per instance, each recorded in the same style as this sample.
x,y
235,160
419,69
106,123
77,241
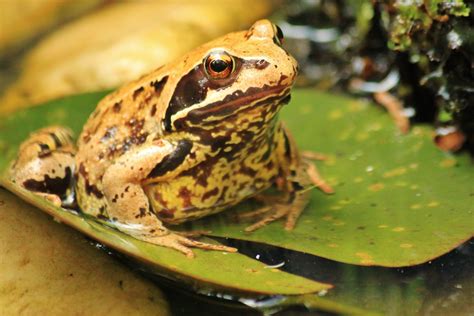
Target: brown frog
x,y
190,139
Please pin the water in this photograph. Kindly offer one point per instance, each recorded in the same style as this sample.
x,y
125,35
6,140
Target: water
x,y
439,287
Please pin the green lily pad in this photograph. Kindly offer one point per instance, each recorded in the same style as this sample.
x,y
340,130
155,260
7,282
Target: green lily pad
x,y
210,270
399,201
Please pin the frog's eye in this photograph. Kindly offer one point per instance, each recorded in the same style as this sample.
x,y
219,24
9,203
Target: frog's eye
x,y
278,35
219,65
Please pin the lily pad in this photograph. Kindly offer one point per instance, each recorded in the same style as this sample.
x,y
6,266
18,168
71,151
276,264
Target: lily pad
x,y
210,270
399,201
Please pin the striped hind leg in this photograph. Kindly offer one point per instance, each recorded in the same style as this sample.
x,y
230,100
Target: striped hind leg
x,y
45,164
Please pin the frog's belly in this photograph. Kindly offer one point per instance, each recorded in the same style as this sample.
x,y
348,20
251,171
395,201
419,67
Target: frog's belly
x,y
186,198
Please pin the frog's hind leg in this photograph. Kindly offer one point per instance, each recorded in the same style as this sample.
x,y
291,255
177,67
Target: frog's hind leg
x,y
272,210
45,164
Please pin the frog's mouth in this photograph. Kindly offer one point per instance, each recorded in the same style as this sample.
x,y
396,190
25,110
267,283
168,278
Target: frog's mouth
x,y
239,101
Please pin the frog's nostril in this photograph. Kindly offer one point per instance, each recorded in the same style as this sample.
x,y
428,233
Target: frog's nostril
x,y
261,64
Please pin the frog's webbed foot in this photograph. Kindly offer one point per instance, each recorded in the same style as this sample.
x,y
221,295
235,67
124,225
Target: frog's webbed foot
x,y
177,241
274,210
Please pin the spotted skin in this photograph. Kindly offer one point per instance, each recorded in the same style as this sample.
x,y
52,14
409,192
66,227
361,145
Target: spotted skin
x,y
190,139
46,164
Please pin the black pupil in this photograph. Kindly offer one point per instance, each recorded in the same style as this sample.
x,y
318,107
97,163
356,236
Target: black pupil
x,y
279,33
219,65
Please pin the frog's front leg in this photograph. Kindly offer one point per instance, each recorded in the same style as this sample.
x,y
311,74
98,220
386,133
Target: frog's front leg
x,y
45,164
129,206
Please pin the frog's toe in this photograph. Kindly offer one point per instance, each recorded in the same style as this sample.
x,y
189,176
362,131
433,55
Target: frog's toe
x,y
203,245
182,244
194,233
275,213
270,213
317,180
254,214
175,242
312,155
52,198
267,219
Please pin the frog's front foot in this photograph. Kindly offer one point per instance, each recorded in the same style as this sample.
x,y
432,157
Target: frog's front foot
x,y
275,210
182,244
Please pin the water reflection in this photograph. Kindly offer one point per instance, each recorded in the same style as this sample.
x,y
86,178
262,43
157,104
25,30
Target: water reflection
x,y
439,287
444,286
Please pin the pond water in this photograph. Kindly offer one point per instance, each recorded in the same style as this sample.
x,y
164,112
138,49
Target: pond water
x,y
444,286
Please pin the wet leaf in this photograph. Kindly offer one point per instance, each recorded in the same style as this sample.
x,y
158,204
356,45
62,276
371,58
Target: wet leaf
x,y
209,270
399,201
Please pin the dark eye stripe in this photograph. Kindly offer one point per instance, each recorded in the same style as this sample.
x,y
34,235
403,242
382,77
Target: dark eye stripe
x,y
194,86
191,89
233,102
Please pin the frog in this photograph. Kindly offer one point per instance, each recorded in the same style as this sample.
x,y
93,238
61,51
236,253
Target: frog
x,y
187,140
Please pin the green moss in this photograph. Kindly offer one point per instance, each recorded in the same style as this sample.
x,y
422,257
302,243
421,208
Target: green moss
x,y
410,19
